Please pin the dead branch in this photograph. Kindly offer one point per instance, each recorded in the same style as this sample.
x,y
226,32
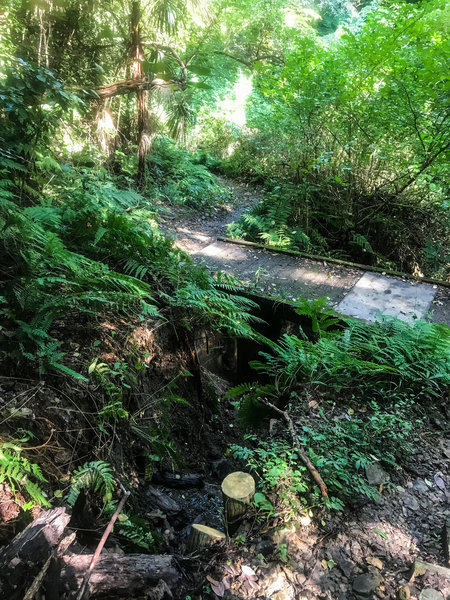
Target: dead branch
x,y
302,454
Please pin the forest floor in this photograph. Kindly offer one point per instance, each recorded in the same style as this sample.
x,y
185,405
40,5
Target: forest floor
x,y
366,551
351,290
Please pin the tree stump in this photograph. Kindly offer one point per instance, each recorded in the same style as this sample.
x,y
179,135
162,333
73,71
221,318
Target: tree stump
x,y
202,536
237,489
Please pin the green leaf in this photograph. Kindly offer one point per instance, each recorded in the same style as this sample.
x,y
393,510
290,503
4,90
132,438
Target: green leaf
x,y
199,70
380,533
258,498
200,85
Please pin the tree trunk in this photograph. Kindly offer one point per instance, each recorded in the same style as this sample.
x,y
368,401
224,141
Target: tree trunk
x,y
138,75
237,489
117,575
202,536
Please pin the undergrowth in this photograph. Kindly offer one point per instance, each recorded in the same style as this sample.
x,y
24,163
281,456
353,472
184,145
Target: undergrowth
x,y
87,246
180,178
358,395
22,475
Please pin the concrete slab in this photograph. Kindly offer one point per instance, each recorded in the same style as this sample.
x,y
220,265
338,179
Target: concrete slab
x,y
375,293
279,274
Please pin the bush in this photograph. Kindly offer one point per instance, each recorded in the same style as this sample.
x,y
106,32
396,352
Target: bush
x,y
182,180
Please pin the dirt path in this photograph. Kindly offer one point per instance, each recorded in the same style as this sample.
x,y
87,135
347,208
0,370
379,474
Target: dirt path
x,y
350,290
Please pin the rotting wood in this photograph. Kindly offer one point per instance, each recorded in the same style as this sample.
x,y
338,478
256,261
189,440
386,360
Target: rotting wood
x,y
302,454
25,557
238,489
202,536
117,575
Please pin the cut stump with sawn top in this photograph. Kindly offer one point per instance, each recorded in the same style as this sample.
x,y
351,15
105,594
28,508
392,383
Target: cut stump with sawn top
x,y
202,536
238,489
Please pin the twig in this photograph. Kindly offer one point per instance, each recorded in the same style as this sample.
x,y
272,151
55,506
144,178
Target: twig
x,y
302,454
101,543
42,445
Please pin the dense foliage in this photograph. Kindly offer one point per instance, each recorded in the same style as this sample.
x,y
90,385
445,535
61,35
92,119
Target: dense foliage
x,y
352,137
113,113
365,391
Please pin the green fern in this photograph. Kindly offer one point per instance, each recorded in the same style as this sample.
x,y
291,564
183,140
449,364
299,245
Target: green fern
x,y
96,476
19,473
135,530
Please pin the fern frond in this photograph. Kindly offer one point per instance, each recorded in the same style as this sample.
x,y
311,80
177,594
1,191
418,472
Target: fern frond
x,y
96,476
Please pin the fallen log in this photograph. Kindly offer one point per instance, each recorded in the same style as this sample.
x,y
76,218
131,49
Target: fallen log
x,y
96,555
117,575
157,499
22,560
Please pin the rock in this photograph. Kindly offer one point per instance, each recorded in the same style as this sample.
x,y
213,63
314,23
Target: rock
x,y
281,536
420,486
365,584
375,562
346,566
376,475
404,593
430,594
410,502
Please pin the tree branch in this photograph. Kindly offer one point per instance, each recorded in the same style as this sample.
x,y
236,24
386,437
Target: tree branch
x,y
174,54
250,63
126,86
302,454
